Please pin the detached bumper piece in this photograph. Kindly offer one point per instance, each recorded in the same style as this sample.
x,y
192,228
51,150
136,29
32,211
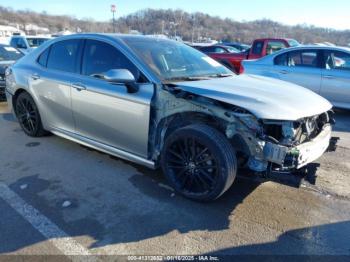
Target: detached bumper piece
x,y
301,155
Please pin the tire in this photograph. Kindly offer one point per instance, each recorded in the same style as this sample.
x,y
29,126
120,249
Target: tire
x,y
28,116
199,162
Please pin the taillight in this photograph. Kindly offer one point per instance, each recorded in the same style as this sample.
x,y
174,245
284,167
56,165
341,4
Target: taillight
x,y
8,71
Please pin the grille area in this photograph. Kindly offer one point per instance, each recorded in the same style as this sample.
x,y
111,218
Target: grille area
x,y
297,132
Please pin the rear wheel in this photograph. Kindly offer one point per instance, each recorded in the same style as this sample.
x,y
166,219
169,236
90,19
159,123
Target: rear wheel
x,y
28,115
199,162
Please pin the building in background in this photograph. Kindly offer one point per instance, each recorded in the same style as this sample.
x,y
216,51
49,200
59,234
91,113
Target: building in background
x,y
7,31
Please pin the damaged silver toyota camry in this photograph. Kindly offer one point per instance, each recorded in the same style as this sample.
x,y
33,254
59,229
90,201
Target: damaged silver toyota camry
x,y
160,103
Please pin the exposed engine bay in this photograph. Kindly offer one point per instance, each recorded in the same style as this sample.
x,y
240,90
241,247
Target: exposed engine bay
x,y
259,143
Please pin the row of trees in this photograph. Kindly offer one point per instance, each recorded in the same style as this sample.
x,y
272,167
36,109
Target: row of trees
x,y
190,26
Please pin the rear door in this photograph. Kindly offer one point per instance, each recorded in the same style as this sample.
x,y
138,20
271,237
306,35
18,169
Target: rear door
x,y
301,67
51,80
106,112
336,78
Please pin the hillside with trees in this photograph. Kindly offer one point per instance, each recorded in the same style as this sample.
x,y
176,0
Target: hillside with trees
x,y
189,26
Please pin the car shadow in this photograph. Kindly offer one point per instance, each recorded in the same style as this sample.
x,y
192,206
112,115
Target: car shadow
x,y
172,213
328,242
169,211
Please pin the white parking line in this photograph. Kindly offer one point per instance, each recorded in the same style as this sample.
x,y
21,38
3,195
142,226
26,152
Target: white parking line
x,y
60,239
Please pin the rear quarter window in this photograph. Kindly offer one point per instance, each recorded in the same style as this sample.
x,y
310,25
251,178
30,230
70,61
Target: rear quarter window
x,y
42,60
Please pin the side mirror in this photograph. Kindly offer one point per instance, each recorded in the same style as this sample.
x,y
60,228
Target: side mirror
x,y
120,76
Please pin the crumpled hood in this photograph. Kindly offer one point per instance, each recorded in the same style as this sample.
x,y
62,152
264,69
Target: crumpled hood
x,y
266,98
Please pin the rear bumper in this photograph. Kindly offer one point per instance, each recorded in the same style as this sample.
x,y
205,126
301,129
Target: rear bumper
x,y
301,155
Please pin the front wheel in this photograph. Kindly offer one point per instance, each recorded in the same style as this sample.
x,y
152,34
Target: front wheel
x,y
28,115
199,162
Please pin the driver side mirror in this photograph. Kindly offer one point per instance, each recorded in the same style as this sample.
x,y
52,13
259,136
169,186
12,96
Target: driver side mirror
x,y
120,76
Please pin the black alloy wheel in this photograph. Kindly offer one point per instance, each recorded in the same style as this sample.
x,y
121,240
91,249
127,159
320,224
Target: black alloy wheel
x,y
199,162
28,115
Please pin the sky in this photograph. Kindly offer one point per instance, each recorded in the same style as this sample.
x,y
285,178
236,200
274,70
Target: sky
x,y
323,13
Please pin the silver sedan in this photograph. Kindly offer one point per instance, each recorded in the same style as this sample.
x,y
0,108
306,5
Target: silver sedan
x,y
161,103
324,70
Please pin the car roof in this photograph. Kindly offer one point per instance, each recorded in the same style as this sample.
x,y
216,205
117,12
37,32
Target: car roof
x,y
269,58
30,36
317,47
267,39
234,43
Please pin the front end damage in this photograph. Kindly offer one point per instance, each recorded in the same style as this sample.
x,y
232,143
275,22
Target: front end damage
x,y
260,144
287,145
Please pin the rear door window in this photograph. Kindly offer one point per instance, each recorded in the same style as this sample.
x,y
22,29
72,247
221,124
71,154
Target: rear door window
x,y
337,60
307,58
42,60
64,56
303,59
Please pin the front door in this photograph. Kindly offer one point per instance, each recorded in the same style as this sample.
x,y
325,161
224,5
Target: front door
x,y
300,67
106,112
336,78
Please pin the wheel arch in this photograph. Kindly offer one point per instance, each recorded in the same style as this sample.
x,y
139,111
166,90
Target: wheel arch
x,y
178,120
15,96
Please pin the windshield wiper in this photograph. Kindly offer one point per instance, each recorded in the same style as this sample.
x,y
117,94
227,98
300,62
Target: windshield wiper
x,y
187,78
220,75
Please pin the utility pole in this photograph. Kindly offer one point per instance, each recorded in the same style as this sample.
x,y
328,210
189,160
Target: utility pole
x,y
193,26
113,10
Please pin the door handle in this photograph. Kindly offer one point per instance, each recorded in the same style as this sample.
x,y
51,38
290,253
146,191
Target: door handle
x,y
79,86
328,77
35,76
284,72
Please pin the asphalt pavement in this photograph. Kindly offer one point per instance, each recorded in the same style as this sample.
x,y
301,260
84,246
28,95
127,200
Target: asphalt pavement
x,y
60,198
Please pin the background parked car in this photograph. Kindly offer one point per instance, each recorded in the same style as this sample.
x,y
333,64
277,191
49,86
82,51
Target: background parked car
x,y
217,49
239,46
8,55
27,43
324,70
260,48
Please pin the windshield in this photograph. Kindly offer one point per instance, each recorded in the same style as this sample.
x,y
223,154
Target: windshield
x,y
171,60
293,42
35,42
8,53
232,49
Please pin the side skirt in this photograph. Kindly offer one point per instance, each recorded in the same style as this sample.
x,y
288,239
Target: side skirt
x,y
102,147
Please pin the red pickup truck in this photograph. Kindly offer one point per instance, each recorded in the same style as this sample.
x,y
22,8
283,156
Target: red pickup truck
x,y
260,48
